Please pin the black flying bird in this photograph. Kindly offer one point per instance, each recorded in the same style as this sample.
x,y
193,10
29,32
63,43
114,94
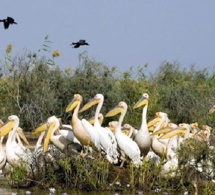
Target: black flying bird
x,y
79,43
7,22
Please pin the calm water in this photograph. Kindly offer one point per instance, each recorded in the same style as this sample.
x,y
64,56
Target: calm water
x,y
6,191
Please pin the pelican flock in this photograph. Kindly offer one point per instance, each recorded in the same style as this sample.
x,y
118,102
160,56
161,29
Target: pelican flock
x,y
119,143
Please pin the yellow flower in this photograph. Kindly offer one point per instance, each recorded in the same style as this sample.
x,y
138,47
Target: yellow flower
x,y
68,70
56,54
9,48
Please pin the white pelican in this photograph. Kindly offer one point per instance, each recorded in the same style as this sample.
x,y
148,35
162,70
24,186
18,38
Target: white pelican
x,y
78,129
207,132
67,131
126,144
64,130
15,153
176,137
175,141
142,138
58,140
196,166
158,147
3,158
106,138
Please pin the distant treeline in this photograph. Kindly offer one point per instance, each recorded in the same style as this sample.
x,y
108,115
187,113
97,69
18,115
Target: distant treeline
x,y
35,88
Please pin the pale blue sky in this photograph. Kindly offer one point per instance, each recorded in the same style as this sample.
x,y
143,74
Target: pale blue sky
x,y
121,33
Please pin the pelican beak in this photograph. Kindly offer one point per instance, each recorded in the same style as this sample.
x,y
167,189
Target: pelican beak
x,y
162,131
39,129
173,133
163,125
114,111
22,135
151,128
6,128
111,128
153,122
91,120
48,136
126,132
142,101
72,105
91,103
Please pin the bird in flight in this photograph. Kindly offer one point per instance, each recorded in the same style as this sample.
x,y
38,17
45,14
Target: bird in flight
x,y
79,43
7,22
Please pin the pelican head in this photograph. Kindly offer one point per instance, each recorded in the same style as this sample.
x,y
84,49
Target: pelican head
x,y
194,125
142,101
206,127
127,126
51,124
13,118
118,109
184,125
95,100
207,130
75,101
113,125
8,126
161,114
42,127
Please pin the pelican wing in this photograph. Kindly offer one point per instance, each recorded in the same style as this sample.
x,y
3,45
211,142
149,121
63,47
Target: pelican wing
x,y
129,147
92,132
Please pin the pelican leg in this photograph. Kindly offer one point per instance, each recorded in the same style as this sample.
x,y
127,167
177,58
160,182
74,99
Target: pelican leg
x,y
122,163
196,188
123,158
84,152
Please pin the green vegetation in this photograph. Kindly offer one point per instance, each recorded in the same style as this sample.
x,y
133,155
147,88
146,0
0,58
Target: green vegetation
x,y
35,88
19,176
